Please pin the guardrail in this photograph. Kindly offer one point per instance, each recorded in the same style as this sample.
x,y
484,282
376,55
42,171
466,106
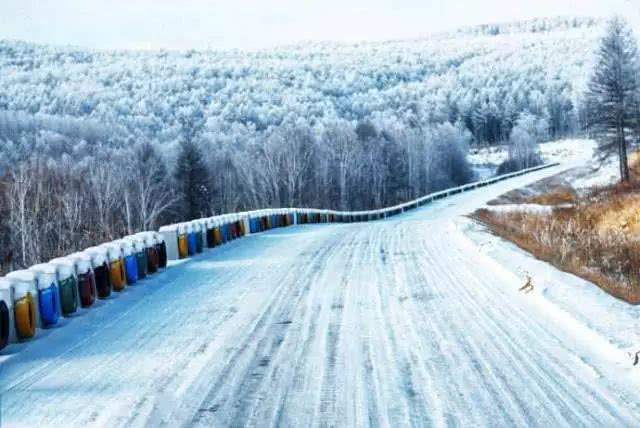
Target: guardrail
x,y
36,298
176,235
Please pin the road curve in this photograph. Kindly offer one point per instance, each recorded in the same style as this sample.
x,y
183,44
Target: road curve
x,y
390,323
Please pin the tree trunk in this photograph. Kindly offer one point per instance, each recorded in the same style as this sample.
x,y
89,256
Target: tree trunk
x,y
622,154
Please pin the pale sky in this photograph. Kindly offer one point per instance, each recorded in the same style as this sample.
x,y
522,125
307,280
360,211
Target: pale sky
x,y
249,24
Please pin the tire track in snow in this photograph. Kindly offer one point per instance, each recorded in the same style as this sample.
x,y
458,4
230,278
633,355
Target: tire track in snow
x,y
146,336
277,376
411,380
495,382
443,340
504,346
137,336
331,408
236,353
325,285
198,341
247,367
522,352
298,393
532,327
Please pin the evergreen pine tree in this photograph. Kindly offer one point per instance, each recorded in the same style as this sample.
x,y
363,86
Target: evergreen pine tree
x,y
612,92
192,178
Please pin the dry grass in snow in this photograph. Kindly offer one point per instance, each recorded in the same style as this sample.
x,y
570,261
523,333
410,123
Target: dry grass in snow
x,y
597,236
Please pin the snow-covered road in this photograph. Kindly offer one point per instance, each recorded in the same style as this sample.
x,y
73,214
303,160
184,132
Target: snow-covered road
x,y
391,323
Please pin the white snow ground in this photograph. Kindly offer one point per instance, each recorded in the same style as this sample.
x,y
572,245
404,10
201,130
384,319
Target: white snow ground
x,y
485,161
592,173
553,151
413,321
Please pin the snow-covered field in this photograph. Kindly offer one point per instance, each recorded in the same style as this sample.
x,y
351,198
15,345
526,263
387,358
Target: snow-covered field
x,y
570,150
578,152
591,172
485,161
413,321
493,155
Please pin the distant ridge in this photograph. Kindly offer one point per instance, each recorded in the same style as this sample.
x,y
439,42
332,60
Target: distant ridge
x,y
480,78
529,26
538,25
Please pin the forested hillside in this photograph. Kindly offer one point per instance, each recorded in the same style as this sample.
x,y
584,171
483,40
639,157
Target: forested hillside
x,y
346,126
482,76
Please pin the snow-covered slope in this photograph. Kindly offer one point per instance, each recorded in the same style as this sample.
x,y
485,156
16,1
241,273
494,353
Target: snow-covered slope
x,y
392,323
482,75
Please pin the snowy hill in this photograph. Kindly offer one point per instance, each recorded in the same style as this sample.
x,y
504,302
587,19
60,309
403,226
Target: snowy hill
x,y
482,76
344,126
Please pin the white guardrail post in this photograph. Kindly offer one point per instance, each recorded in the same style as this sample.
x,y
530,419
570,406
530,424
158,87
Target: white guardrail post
x,y
170,236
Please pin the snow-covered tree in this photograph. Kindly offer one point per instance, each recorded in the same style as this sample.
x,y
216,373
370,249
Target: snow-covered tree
x,y
191,176
151,188
613,92
525,137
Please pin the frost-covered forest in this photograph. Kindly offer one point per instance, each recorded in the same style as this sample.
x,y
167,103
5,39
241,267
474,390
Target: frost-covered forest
x,y
94,144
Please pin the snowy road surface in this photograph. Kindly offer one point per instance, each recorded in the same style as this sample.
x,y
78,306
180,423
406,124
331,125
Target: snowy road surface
x,y
392,323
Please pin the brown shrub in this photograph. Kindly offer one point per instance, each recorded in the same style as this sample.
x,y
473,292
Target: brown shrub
x,y
562,195
570,240
596,238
